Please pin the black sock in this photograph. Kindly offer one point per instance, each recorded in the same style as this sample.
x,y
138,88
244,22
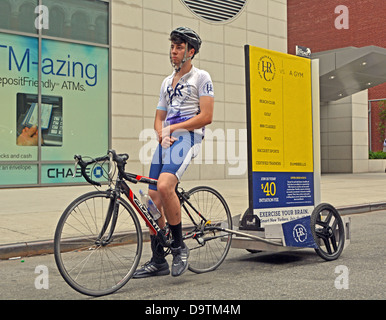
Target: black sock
x,y
177,235
157,249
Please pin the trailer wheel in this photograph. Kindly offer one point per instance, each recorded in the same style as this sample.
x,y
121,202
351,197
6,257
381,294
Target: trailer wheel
x,y
328,231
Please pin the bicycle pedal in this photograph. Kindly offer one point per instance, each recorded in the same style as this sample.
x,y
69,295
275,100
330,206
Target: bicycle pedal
x,y
200,240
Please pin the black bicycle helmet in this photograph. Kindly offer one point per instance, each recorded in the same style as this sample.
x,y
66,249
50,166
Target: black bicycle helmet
x,y
190,36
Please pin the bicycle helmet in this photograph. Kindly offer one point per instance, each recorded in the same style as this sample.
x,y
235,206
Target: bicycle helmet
x,y
190,37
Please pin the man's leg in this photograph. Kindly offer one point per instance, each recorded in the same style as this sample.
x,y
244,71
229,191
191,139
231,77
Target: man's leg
x,y
157,265
166,186
155,196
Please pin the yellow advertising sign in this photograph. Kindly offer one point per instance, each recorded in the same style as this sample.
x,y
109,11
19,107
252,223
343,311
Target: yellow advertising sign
x,y
280,112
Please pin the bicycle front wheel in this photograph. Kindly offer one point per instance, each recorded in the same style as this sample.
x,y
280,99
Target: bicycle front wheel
x,y
87,262
208,245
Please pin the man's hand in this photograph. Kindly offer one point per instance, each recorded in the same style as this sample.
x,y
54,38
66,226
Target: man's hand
x,y
167,139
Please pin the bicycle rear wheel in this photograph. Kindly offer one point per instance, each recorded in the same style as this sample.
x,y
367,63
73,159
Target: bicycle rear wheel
x,y
208,245
91,266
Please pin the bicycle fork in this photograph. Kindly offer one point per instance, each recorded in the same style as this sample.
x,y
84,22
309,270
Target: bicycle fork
x,y
111,216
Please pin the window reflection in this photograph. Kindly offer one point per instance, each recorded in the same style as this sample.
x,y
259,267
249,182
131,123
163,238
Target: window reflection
x,y
18,15
5,15
57,21
85,20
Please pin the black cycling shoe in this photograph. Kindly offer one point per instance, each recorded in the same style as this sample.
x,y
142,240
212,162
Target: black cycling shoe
x,y
152,269
180,260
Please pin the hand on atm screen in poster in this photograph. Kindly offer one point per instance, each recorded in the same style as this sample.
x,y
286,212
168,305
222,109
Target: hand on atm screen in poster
x,y
28,137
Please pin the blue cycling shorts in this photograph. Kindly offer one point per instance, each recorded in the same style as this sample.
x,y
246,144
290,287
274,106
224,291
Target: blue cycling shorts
x,y
177,157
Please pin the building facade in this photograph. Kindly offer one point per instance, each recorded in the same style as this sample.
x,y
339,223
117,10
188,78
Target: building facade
x,y
140,57
100,65
97,66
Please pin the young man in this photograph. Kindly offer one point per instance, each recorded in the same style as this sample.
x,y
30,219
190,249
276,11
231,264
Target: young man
x,y
185,107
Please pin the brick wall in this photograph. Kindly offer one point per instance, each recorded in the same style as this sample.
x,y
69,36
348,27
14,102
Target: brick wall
x,y
311,23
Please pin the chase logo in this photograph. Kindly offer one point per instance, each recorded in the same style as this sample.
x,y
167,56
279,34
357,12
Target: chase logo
x,y
299,233
266,68
98,172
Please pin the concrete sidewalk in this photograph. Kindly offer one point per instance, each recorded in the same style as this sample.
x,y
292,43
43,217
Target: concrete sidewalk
x,y
28,216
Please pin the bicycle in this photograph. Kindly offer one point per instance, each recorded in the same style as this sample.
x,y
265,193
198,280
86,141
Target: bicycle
x,y
98,240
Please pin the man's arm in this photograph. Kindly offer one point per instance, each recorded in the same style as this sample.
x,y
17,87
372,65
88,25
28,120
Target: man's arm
x,y
202,119
160,116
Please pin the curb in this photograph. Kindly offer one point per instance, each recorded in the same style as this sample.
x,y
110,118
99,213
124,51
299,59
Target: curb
x,y
34,248
377,206
26,249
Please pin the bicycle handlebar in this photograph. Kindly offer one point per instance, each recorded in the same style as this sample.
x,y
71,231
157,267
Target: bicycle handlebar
x,y
119,159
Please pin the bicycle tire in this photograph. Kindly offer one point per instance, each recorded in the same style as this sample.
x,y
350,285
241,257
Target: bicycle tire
x,y
328,232
88,267
209,250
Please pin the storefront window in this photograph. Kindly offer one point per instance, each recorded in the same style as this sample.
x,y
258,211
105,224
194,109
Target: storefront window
x,y
18,15
87,20
78,97
19,109
44,123
5,15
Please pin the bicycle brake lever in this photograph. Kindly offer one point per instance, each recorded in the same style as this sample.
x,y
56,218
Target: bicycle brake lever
x,y
111,163
76,165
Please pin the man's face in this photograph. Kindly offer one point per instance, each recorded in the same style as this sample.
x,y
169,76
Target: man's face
x,y
177,52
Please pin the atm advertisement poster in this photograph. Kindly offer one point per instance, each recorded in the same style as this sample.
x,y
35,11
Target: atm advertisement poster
x,y
73,112
280,135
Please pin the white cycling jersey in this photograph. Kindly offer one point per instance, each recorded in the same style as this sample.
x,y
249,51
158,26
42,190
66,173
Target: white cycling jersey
x,y
183,101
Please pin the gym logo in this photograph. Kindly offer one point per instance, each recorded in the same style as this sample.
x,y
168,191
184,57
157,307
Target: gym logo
x,y
208,88
299,233
266,68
